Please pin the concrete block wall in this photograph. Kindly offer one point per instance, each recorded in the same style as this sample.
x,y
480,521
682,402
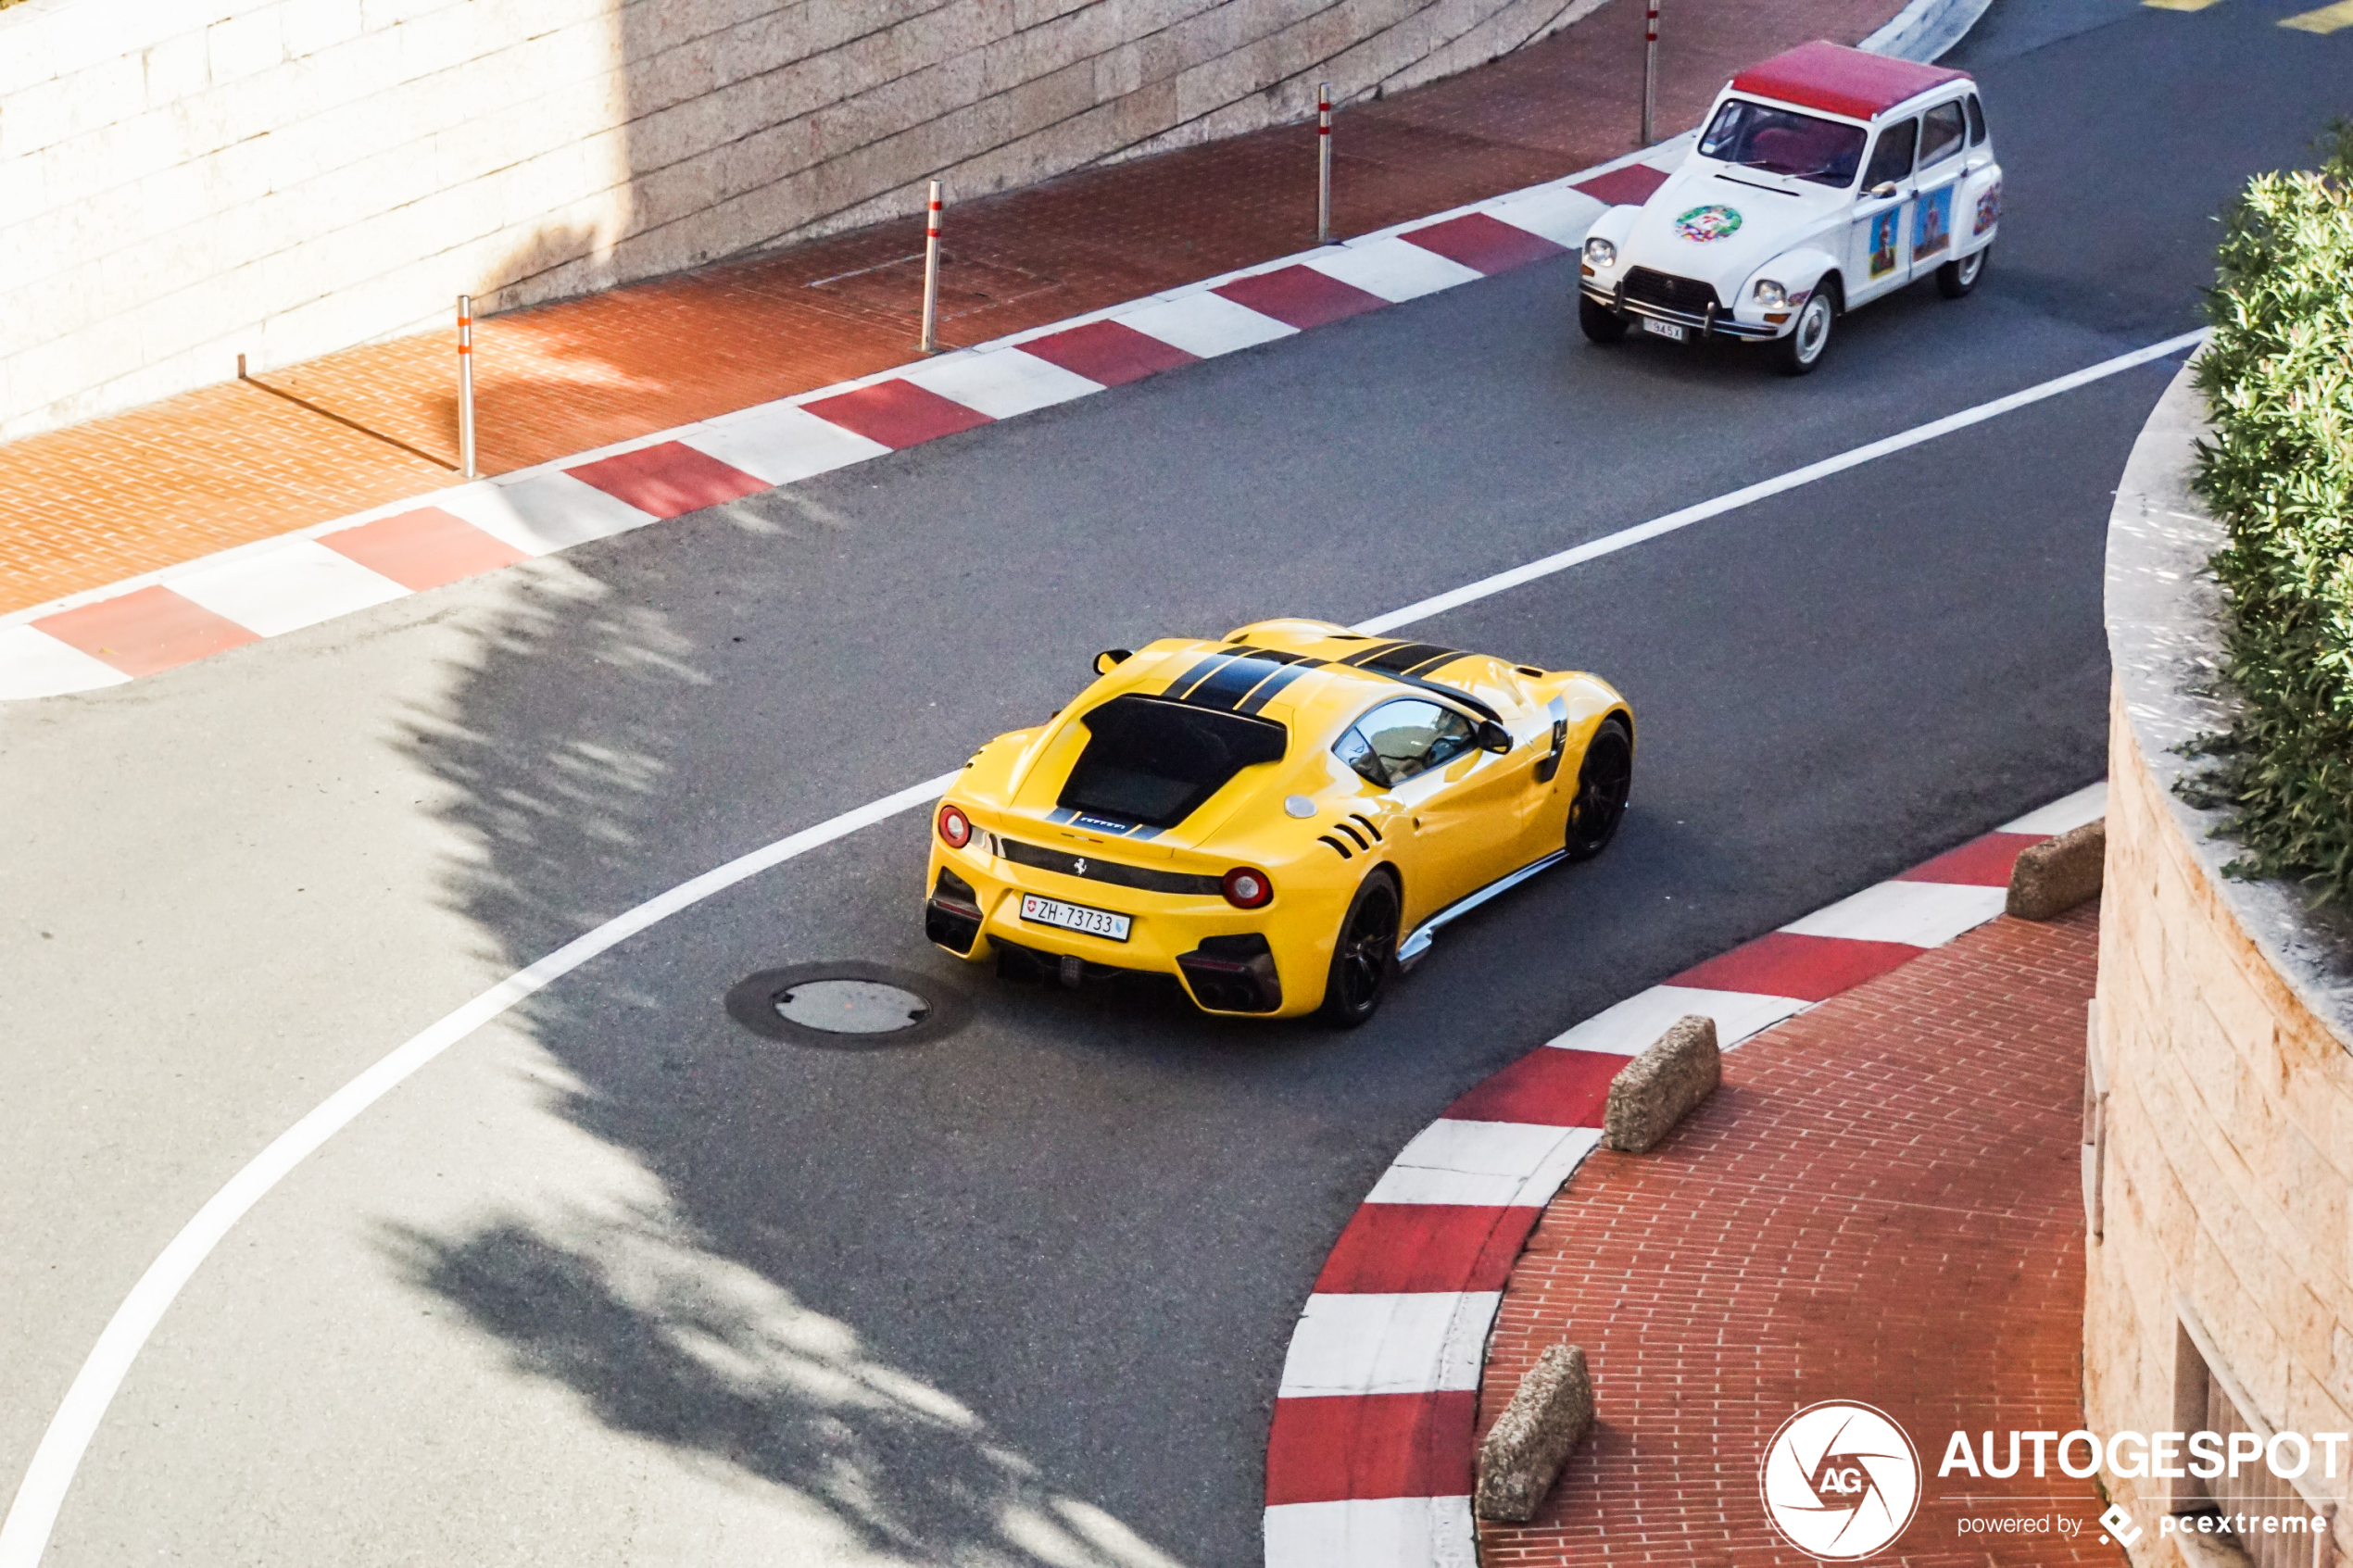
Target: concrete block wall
x,y
183,180
2228,1161
2225,1034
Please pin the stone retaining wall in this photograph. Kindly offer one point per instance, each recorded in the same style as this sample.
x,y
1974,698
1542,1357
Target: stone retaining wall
x,y
2224,1155
183,180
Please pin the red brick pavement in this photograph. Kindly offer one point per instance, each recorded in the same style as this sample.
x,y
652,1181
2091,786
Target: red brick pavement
x,y
92,505
1881,1204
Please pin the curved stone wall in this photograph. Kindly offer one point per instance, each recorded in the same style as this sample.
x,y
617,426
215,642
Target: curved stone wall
x,y
178,185
2222,1157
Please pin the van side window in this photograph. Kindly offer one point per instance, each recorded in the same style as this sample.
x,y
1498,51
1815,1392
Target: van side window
x,y
1976,121
1892,159
1941,134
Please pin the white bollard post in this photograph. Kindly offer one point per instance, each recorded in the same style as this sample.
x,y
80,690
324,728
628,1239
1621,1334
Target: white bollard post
x,y
1324,164
1650,70
931,274
466,387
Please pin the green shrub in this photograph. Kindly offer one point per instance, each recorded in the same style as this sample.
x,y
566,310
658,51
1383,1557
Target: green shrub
x,y
2278,380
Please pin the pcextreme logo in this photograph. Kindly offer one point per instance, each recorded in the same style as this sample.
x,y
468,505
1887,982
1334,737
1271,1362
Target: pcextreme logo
x,y
1839,1480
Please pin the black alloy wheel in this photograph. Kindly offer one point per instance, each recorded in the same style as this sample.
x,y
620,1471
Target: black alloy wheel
x,y
1599,321
1604,781
1959,276
1366,955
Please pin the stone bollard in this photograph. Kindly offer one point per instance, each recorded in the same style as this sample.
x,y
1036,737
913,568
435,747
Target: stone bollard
x,y
1659,1087
1523,1456
2059,874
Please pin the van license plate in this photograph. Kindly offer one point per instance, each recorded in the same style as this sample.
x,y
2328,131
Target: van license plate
x,y
1075,917
1665,329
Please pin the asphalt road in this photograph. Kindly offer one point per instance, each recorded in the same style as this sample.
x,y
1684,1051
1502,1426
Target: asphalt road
x,y
618,1282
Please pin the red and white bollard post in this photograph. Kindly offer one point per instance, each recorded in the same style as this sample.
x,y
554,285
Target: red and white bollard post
x,y
466,387
1324,164
1650,69
931,274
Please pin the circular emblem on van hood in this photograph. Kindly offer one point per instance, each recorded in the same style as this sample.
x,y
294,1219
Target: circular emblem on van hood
x,y
1712,222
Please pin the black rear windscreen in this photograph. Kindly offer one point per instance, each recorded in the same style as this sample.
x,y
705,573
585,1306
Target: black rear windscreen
x,y
1154,762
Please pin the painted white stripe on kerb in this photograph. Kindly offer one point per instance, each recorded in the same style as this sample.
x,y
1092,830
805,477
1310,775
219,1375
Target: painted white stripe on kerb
x,y
542,515
780,443
33,663
299,584
1425,1342
1635,1025
2086,805
35,1513
1395,270
1204,324
1555,213
1000,383
1372,1532
1484,1163
24,1535
1625,538
1921,915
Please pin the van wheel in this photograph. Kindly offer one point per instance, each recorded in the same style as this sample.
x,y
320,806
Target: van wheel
x,y
1366,956
1959,276
1599,322
1809,340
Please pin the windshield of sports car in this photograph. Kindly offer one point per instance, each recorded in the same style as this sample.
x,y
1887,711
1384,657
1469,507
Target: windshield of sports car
x,y
1154,762
1783,142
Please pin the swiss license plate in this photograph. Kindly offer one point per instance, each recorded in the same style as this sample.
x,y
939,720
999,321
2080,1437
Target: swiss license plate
x,y
1664,329
1073,917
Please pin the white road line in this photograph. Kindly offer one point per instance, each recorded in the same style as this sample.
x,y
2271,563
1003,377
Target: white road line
x,y
34,1513
1610,544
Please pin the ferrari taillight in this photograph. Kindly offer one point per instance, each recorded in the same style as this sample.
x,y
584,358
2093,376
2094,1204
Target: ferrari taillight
x,y
955,828
1247,889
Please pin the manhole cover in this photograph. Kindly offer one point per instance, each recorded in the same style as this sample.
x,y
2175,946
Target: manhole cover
x,y
849,1006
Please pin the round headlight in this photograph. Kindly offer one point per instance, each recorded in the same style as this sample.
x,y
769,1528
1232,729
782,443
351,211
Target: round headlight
x,y
1770,294
1600,253
955,828
1247,889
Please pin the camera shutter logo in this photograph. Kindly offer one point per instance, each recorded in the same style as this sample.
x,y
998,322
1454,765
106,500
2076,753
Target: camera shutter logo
x,y
1841,1481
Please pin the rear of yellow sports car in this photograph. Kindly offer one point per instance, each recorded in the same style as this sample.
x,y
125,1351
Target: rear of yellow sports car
x,y
1187,815
1131,834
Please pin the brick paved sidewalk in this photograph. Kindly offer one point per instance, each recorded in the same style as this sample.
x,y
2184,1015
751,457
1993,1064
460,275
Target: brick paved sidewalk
x,y
1881,1204
88,506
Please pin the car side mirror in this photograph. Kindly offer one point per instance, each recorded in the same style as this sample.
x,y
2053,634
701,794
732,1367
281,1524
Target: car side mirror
x,y
1494,736
1112,658
1880,191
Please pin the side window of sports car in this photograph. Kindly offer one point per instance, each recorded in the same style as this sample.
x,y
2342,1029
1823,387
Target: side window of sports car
x,y
1941,133
1976,122
1411,736
1892,159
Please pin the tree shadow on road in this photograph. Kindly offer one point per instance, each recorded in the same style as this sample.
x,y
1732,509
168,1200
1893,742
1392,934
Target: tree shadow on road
x,y
666,1339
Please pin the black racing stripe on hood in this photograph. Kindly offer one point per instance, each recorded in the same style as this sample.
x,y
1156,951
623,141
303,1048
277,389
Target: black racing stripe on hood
x,y
1364,657
1405,659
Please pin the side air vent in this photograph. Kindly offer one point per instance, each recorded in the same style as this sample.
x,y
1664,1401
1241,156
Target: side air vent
x,y
1367,823
1354,838
1344,852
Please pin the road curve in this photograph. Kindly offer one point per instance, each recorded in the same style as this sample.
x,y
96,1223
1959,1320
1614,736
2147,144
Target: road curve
x,y
618,1282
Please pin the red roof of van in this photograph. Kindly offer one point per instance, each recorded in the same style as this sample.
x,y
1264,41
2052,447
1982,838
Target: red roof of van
x,y
1841,81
